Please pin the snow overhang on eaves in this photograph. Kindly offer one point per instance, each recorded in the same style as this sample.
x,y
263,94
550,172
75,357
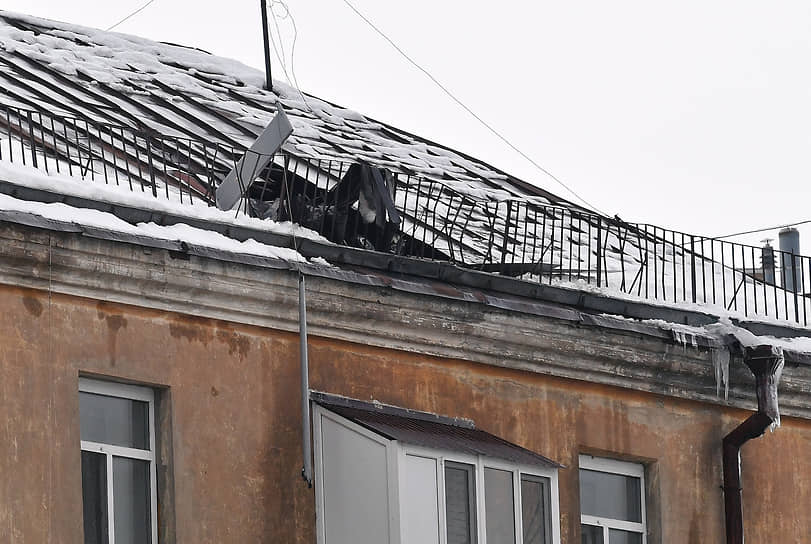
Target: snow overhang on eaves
x,y
414,276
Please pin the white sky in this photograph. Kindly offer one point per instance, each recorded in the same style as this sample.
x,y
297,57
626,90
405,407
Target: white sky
x,y
693,115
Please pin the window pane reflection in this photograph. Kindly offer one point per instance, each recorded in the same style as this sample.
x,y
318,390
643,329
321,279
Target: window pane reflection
x,y
113,420
131,498
499,506
610,495
94,497
590,534
533,510
460,504
615,536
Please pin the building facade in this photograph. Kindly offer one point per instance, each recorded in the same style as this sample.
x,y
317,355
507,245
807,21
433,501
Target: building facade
x,y
222,361
486,362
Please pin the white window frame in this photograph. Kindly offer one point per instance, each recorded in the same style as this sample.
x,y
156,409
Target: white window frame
x,y
479,463
624,468
396,453
391,464
132,392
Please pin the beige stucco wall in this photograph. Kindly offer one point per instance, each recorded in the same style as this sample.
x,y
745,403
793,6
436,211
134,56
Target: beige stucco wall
x,y
231,393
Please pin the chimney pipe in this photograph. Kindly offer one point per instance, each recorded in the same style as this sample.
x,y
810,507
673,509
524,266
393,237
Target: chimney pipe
x,y
767,262
792,270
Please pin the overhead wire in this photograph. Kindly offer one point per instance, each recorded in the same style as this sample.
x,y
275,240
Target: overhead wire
x,y
277,48
292,81
755,231
469,110
133,14
293,53
282,58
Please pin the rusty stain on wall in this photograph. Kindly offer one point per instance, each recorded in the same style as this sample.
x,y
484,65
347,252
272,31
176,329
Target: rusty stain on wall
x,y
33,305
235,425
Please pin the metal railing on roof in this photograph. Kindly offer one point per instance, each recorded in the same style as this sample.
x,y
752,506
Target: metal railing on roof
x,y
433,220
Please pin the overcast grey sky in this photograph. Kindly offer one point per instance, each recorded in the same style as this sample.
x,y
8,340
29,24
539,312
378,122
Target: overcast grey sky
x,y
693,115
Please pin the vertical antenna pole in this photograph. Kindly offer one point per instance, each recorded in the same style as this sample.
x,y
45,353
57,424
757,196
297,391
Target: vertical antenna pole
x,y
307,470
268,79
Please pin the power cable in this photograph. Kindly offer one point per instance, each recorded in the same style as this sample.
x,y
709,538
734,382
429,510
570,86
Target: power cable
x,y
133,14
282,58
293,51
755,231
273,43
470,111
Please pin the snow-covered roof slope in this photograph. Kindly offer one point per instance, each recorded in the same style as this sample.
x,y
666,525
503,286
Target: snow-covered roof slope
x,y
176,91
135,116
179,232
27,176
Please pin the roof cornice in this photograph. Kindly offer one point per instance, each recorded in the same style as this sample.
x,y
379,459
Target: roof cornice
x,y
376,310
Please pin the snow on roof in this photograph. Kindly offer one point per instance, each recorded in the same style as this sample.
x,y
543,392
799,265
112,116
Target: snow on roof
x,y
28,176
178,232
168,90
172,90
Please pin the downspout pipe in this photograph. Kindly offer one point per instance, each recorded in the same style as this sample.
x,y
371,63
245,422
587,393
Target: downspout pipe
x,y
306,450
766,363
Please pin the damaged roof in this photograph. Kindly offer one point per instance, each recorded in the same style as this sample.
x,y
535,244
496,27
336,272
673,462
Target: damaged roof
x,y
112,89
172,90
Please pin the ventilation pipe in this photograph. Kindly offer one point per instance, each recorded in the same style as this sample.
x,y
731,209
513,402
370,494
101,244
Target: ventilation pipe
x,y
792,270
767,262
766,363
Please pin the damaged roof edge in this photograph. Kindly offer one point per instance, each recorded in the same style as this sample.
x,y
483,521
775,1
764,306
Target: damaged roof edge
x,y
414,276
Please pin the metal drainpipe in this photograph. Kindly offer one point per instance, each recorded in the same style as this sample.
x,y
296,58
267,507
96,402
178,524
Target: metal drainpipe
x,y
766,363
307,454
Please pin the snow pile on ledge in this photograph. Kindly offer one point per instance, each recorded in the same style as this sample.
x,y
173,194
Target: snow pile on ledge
x,y
175,233
28,176
699,307
725,326
717,333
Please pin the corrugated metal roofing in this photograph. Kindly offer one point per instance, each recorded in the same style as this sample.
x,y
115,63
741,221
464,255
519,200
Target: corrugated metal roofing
x,y
431,431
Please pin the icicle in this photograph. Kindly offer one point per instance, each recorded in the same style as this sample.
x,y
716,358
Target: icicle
x,y
778,373
683,338
678,337
720,361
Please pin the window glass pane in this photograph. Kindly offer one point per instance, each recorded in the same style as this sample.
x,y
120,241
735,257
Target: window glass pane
x,y
419,501
94,497
610,495
460,503
615,536
131,496
590,534
534,505
499,508
112,420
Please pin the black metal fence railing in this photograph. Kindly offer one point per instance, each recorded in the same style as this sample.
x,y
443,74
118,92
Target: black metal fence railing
x,y
406,214
169,167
